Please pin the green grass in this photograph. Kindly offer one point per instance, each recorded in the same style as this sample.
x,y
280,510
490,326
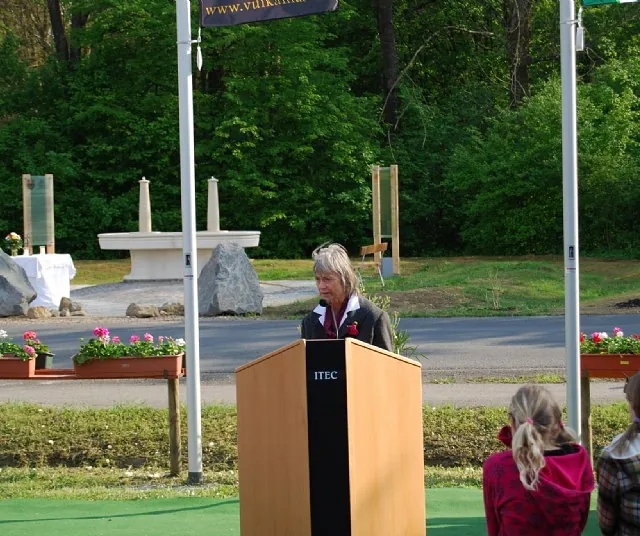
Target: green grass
x,y
123,452
100,272
536,378
449,512
113,271
450,287
101,484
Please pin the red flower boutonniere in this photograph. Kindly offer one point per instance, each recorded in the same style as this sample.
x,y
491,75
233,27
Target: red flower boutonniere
x,y
352,331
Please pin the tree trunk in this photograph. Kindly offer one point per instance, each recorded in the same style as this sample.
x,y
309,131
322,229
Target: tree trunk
x,y
384,14
78,21
517,23
57,27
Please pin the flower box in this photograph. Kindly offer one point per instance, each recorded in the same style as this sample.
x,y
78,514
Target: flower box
x,y
131,367
609,365
15,368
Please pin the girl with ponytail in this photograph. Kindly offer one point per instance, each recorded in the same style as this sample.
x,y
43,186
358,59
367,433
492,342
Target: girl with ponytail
x,y
543,484
618,473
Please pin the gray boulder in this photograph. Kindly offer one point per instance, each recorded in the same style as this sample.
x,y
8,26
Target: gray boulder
x,y
38,312
16,292
228,283
142,311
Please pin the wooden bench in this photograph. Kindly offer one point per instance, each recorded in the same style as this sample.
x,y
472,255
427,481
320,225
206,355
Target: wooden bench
x,y
377,250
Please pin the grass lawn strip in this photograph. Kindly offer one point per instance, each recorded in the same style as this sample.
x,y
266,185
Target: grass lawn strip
x,y
452,286
450,512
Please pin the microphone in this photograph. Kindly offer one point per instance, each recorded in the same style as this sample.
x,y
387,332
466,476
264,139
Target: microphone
x,y
325,303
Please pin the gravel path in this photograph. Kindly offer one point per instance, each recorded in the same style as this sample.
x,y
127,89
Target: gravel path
x,y
113,299
222,390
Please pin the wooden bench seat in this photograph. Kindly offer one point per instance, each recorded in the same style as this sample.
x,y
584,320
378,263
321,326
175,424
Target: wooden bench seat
x,y
377,250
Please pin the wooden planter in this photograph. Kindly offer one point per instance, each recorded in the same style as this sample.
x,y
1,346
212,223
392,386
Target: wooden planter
x,y
15,368
131,367
609,365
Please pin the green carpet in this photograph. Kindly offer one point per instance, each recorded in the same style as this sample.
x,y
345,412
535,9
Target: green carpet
x,y
450,512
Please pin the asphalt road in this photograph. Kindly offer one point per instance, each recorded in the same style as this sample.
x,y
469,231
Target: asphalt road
x,y
455,347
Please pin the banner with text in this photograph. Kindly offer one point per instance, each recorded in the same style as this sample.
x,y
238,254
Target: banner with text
x,y
216,13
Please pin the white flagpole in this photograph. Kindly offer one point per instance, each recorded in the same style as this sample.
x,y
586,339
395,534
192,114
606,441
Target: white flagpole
x,y
570,210
189,246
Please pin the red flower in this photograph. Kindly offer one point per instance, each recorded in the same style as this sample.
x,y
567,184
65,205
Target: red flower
x,y
582,337
352,331
29,335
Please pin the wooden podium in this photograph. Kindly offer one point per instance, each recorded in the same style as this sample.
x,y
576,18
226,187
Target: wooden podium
x,y
330,442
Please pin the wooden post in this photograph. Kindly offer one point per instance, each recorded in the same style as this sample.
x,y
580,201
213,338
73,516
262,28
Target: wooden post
x,y
48,196
175,449
375,203
587,435
27,233
395,223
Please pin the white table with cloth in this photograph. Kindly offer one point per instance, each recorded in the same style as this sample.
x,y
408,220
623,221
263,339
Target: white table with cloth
x,y
49,275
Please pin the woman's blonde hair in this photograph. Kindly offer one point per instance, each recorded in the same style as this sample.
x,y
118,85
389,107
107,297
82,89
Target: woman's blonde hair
x,y
334,259
538,421
632,392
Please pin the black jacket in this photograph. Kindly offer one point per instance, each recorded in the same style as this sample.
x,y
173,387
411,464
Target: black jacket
x,y
374,326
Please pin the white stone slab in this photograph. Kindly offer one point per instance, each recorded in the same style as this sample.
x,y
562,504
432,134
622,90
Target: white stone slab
x,y
158,255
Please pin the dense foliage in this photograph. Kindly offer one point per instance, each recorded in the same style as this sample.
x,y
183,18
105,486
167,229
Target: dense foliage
x,y
289,118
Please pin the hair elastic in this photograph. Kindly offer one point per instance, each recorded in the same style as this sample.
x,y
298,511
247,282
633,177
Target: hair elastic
x,y
529,420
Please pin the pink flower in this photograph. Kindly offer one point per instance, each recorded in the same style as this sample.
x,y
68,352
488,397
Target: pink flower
x,y
148,337
160,339
617,332
595,337
29,350
115,340
29,335
101,332
134,338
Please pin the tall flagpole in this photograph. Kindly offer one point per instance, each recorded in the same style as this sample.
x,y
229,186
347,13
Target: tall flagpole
x,y
189,246
570,210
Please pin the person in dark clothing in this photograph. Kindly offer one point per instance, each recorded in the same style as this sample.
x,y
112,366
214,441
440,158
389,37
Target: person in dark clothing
x,y
543,484
618,474
342,311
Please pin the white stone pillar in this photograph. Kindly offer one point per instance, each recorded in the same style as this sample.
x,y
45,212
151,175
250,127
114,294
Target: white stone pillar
x,y
144,210
213,208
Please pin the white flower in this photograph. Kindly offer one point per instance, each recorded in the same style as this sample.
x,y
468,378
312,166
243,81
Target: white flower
x,y
3,334
180,342
619,334
604,335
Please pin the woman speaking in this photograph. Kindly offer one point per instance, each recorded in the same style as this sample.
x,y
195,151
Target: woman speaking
x,y
342,311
